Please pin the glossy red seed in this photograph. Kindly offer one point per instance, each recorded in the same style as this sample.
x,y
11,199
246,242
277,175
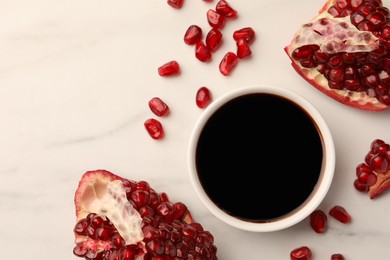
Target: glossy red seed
x,y
225,9
246,33
214,39
154,128
158,107
175,3
340,213
243,49
203,97
215,19
228,63
359,186
318,221
169,69
367,178
193,35
379,163
202,53
337,257
301,253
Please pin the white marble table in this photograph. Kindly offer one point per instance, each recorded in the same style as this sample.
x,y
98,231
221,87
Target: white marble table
x,y
75,79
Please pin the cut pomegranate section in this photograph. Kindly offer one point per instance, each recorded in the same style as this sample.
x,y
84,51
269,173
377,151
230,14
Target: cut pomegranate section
x,y
169,69
301,253
158,107
228,63
344,52
318,221
340,213
373,175
117,218
203,97
154,128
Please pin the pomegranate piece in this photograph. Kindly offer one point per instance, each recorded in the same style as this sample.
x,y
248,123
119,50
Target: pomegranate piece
x,y
202,53
214,39
215,20
176,3
373,175
340,213
246,33
224,8
154,128
318,221
337,257
193,35
151,226
228,63
158,107
203,97
169,69
243,49
301,253
344,53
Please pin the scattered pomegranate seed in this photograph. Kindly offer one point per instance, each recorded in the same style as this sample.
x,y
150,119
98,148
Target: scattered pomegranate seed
x,y
215,19
340,213
228,63
318,221
246,33
243,49
175,3
193,35
214,39
337,257
154,128
203,97
168,69
158,106
224,8
301,253
202,53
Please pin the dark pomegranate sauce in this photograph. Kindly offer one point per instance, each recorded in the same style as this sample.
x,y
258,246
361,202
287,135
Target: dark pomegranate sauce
x,y
259,157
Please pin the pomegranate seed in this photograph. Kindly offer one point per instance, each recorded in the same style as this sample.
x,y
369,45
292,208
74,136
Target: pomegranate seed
x,y
213,39
367,178
202,53
224,8
168,69
359,186
379,163
154,128
215,19
243,49
246,33
228,63
318,221
340,213
158,107
203,97
175,3
337,257
301,253
193,35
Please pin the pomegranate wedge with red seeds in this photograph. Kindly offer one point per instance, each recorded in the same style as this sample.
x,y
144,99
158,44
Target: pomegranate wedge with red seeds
x,y
154,128
373,175
345,52
117,218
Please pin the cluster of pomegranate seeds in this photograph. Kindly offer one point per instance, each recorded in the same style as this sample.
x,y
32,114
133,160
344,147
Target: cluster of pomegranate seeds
x,y
175,3
169,69
154,128
203,97
373,175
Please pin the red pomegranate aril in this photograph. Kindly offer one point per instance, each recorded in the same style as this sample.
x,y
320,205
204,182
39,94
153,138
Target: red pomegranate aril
x,y
193,35
367,178
246,33
215,19
301,253
158,107
175,3
318,221
337,257
224,8
214,39
379,163
243,49
203,97
154,128
228,63
340,213
359,186
168,69
202,53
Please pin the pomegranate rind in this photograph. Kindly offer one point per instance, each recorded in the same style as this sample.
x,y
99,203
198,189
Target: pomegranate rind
x,y
360,100
382,184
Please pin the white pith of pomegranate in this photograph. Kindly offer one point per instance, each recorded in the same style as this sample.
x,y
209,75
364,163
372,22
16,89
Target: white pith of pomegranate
x,y
119,219
345,52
